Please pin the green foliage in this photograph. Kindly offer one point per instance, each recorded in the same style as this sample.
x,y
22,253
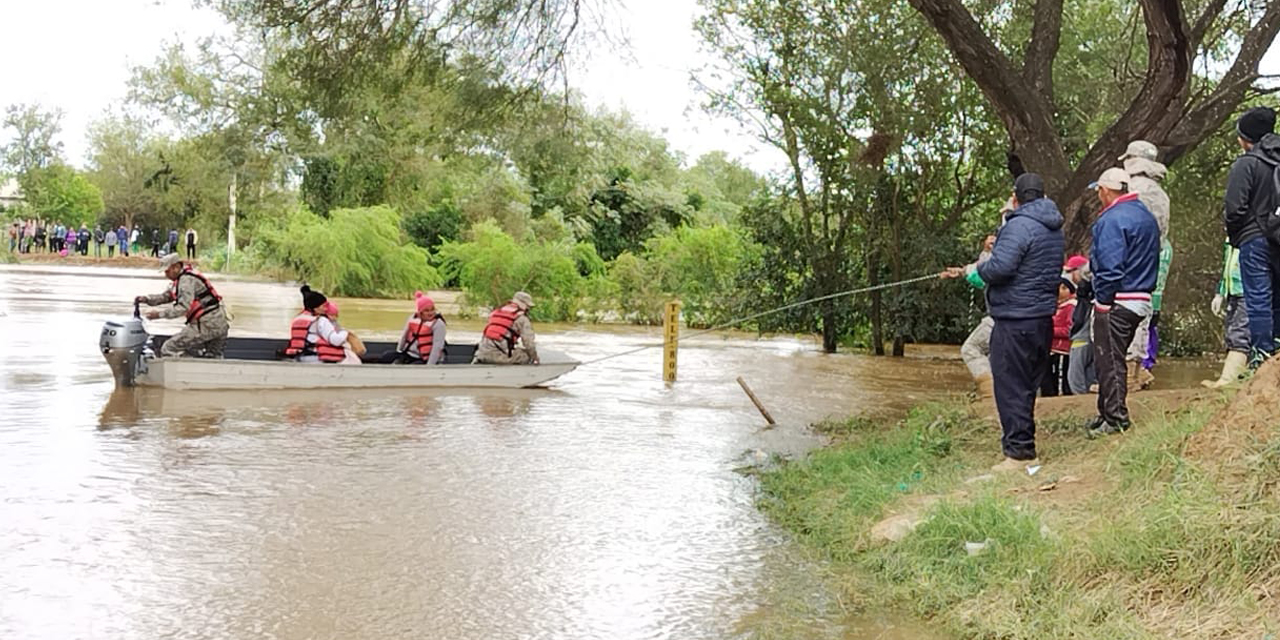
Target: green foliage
x,y
491,266
62,194
701,266
32,143
354,252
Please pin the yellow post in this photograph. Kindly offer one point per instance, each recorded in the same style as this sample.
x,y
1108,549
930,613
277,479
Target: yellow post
x,y
671,339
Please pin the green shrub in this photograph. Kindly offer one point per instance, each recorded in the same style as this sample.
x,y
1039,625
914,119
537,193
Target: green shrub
x,y
700,265
491,266
354,252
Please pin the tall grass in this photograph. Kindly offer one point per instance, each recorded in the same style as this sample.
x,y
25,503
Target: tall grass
x,y
1158,547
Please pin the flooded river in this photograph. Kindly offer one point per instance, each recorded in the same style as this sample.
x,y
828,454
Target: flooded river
x,y
603,507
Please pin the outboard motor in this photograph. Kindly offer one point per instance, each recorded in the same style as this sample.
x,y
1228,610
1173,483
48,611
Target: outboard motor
x,y
123,345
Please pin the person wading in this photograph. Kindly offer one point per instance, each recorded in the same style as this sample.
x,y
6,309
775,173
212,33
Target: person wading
x,y
193,297
1022,278
1123,262
508,337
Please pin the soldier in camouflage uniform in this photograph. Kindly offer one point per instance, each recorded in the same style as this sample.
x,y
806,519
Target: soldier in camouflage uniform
x,y
193,297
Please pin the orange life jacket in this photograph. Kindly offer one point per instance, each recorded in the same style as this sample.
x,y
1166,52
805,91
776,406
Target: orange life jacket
x,y
203,302
421,333
502,324
299,346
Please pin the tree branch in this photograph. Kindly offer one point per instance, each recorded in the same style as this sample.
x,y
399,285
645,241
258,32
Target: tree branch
x,y
1210,12
1158,105
1046,30
1027,113
1203,119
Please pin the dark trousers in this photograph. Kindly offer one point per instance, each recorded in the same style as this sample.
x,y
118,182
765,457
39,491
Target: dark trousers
x,y
1260,274
1055,381
1019,363
1112,333
191,250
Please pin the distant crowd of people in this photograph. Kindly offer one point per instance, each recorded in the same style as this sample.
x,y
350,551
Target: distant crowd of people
x,y
48,236
1060,324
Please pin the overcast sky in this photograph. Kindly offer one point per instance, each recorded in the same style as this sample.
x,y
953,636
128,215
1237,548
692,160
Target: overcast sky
x,y
76,55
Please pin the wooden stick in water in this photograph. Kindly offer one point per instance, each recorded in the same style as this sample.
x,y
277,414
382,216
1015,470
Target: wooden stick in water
x,y
756,401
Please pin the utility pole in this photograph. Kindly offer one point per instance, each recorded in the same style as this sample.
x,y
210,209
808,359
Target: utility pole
x,y
231,222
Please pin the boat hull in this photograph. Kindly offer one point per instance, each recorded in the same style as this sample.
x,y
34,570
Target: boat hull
x,y
200,373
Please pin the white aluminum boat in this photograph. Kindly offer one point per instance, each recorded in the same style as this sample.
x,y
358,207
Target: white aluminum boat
x,y
253,363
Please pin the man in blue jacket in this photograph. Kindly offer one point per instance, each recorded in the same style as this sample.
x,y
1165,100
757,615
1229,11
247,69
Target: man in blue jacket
x,y
1124,262
1022,277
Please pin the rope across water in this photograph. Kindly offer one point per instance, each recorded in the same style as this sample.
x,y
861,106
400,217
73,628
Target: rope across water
x,y
735,321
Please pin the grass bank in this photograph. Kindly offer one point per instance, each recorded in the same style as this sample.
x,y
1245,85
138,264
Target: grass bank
x,y
1145,535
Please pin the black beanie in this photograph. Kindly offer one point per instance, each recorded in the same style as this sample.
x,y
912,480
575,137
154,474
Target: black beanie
x,y
312,299
1028,187
1255,123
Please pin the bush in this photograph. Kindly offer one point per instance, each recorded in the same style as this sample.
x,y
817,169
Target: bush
x,y
700,265
491,266
355,252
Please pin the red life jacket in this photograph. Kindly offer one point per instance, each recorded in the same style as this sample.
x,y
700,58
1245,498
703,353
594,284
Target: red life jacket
x,y
421,333
204,301
502,324
299,346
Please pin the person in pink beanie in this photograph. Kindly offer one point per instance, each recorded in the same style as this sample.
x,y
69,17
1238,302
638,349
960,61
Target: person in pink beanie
x,y
423,338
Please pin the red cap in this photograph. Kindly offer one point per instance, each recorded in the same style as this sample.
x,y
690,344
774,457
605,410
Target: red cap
x,y
1075,262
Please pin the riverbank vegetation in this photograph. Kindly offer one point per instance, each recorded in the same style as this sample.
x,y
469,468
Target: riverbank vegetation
x,y
1166,532
405,150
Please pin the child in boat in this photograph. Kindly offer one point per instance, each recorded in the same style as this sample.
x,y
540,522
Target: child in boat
x,y
354,348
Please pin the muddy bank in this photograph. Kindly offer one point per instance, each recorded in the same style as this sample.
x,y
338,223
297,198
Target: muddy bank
x,y
1140,535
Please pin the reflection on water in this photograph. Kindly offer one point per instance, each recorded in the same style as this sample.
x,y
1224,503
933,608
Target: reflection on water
x,y
605,507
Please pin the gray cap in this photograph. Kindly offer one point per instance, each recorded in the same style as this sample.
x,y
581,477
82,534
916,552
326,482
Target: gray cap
x,y
169,259
1141,149
1115,179
523,299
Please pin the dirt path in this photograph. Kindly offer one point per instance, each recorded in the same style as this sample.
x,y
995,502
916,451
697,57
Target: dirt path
x,y
90,260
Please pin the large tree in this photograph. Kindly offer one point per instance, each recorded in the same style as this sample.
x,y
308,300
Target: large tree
x,y
884,146
129,168
1162,98
33,144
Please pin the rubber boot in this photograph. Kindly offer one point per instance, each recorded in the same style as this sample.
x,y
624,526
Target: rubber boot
x,y
1235,365
984,401
1145,378
986,388
1132,379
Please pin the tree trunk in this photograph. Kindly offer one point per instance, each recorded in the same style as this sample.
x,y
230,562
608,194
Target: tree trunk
x,y
830,327
877,323
899,346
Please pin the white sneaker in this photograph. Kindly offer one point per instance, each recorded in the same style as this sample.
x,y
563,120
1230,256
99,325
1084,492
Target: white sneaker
x,y
1009,464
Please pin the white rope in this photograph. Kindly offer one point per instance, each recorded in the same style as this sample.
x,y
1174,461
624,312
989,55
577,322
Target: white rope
x,y
735,321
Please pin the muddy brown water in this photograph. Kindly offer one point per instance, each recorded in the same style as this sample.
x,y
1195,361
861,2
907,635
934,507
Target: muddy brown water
x,y
605,506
